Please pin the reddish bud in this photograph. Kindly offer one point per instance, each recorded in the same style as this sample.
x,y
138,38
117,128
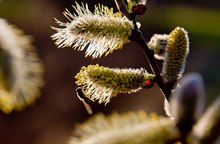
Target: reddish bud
x,y
148,84
139,9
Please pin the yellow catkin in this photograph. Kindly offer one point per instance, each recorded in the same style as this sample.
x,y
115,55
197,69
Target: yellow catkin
x,y
102,83
177,50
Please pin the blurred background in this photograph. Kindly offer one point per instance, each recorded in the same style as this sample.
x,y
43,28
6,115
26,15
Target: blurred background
x,y
52,118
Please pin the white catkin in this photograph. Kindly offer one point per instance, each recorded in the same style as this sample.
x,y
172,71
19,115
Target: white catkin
x,y
103,83
99,32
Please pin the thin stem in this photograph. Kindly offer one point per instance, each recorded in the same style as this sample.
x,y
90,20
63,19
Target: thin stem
x,y
137,36
150,58
132,17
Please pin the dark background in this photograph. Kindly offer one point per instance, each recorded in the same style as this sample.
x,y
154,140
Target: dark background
x,y
53,116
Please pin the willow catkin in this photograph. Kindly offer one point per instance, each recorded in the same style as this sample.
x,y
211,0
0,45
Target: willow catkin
x,y
21,70
102,83
128,128
99,32
176,53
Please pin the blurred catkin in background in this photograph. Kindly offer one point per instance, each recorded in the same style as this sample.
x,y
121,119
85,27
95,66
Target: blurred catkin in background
x,y
21,71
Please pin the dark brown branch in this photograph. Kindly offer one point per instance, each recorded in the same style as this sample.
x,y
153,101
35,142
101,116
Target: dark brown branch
x,y
137,36
132,17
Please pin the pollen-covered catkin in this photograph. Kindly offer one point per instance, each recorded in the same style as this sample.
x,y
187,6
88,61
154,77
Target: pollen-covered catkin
x,y
102,83
177,50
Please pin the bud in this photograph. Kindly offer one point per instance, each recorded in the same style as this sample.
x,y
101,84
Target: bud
x,y
99,33
148,83
137,7
187,102
102,83
21,69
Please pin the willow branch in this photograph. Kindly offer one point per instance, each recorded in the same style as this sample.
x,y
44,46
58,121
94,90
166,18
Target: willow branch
x,y
137,36
132,17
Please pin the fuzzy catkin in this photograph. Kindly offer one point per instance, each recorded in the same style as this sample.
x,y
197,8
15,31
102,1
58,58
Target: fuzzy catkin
x,y
158,43
128,128
99,32
102,83
177,50
21,70
187,102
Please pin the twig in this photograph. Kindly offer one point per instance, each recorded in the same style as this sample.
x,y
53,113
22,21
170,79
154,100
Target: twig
x,y
137,36
132,17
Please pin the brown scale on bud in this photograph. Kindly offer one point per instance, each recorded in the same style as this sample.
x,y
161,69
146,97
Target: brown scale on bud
x,y
138,7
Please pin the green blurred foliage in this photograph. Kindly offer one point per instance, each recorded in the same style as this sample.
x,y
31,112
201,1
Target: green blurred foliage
x,y
200,22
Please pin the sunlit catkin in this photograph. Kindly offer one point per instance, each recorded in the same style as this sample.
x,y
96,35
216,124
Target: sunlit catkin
x,y
102,83
158,43
177,50
20,69
99,32
128,128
